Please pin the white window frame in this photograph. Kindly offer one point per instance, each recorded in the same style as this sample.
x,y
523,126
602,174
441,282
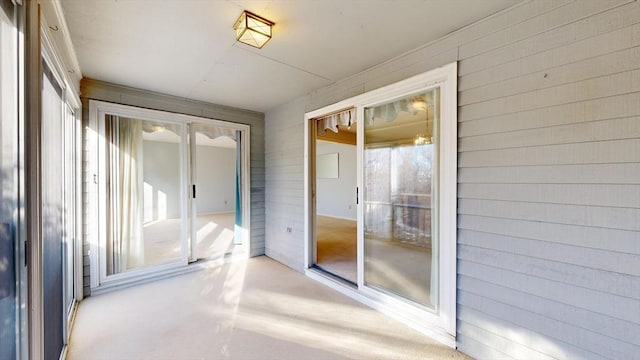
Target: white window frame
x,y
441,325
96,178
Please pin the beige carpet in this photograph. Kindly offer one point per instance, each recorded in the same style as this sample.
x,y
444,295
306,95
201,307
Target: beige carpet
x,y
396,267
215,234
253,309
336,245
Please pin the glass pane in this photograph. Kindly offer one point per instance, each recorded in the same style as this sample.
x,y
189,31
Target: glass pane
x,y
53,209
144,225
400,247
8,181
218,199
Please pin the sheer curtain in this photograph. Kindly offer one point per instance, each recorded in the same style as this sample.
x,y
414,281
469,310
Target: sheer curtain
x,y
344,118
125,194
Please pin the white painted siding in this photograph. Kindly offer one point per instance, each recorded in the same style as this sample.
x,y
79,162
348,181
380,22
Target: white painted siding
x,y
97,90
548,177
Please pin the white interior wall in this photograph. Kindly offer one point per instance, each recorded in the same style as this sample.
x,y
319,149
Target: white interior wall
x,y
215,173
337,197
215,179
161,164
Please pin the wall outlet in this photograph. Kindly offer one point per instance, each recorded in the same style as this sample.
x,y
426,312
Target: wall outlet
x,y
289,229
225,202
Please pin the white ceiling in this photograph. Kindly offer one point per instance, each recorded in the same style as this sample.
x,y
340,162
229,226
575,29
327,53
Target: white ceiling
x,y
187,47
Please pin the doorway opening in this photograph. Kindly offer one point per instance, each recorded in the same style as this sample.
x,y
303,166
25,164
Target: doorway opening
x,y
336,196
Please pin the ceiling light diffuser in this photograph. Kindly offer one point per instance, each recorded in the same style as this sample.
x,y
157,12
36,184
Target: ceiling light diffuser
x,y
252,29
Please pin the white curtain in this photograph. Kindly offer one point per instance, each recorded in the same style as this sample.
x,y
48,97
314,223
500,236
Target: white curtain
x,y
389,112
213,132
125,193
346,118
335,121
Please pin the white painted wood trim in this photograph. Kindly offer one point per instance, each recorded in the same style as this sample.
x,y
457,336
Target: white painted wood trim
x,y
448,193
246,188
79,253
192,203
184,185
33,218
359,200
308,211
95,174
66,34
51,54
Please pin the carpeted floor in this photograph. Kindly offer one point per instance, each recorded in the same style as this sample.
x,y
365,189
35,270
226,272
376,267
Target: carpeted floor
x,y
396,267
337,244
215,233
252,309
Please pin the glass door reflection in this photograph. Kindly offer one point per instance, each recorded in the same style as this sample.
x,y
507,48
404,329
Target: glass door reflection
x,y
144,197
399,170
216,205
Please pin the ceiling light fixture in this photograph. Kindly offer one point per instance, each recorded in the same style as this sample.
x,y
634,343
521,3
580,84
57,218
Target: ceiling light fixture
x,y
252,29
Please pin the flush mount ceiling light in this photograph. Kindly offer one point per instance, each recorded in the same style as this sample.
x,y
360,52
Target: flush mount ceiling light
x,y
252,29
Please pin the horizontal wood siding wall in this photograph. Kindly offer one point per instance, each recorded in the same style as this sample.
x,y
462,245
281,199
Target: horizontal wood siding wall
x,y
97,90
548,177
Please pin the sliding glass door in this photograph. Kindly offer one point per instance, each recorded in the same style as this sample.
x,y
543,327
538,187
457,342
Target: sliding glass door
x,y
216,192
166,189
405,196
400,172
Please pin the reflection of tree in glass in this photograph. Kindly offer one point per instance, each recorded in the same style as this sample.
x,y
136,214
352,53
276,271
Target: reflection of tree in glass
x,y
411,194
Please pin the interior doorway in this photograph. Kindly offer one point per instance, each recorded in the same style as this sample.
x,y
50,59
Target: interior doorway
x,y
336,196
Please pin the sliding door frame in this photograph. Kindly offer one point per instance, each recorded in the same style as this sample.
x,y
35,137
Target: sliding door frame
x,y
71,124
440,325
96,181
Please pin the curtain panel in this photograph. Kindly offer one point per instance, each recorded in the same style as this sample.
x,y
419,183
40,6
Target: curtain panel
x,y
125,244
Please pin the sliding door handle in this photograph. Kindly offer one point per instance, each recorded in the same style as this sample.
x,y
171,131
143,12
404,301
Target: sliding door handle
x,y
193,191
